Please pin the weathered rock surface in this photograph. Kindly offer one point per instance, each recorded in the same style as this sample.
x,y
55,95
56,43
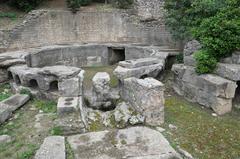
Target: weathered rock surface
x,y
5,139
191,47
147,97
208,90
150,67
8,106
67,105
229,71
121,117
53,147
150,9
135,143
102,96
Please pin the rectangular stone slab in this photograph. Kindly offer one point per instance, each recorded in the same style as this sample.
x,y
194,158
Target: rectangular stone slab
x,y
10,105
134,142
67,105
53,147
138,62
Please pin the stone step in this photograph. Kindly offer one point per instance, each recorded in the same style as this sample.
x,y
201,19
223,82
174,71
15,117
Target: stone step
x,y
139,62
53,147
67,105
8,106
134,142
229,71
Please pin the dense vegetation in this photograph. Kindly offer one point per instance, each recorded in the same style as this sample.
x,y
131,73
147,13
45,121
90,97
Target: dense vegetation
x,y
215,23
25,5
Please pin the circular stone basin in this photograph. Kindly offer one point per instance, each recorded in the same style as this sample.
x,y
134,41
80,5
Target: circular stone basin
x,y
68,99
68,103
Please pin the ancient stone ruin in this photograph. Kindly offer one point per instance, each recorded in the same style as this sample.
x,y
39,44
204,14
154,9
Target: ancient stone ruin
x,y
47,55
217,91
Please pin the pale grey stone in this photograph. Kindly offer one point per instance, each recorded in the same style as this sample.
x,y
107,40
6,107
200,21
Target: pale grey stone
x,y
147,97
184,153
53,147
137,119
229,71
148,143
5,139
138,62
70,87
8,106
189,60
149,71
191,47
67,105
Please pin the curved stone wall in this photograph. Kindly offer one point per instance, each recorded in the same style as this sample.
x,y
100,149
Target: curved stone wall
x,y
92,54
47,27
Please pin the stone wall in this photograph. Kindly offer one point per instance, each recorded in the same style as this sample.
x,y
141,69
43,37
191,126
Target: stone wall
x,y
149,9
47,27
147,97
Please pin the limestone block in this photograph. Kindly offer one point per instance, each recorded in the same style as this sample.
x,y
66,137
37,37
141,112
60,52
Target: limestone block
x,y
236,57
138,62
178,70
70,87
147,97
9,105
219,105
94,61
189,60
191,47
149,71
67,105
190,91
53,147
217,86
137,142
190,76
3,75
229,71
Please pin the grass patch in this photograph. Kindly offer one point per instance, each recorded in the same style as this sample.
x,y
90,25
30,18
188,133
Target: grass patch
x,y
26,138
91,71
46,106
69,151
200,133
5,92
57,130
29,152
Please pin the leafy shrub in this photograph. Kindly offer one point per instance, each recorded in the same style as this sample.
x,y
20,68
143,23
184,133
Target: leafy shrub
x,y
76,4
220,34
206,63
25,5
179,58
123,4
182,15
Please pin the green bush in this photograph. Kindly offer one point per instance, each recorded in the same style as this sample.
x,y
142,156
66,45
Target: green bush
x,y
25,5
74,5
220,34
206,63
183,15
122,4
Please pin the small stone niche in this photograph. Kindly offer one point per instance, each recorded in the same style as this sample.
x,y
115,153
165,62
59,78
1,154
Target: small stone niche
x,y
116,54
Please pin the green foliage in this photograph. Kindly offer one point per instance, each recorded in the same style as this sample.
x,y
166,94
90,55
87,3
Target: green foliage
x,y
5,92
26,91
179,58
46,106
123,4
57,130
74,5
206,62
27,154
220,34
182,15
10,15
25,5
